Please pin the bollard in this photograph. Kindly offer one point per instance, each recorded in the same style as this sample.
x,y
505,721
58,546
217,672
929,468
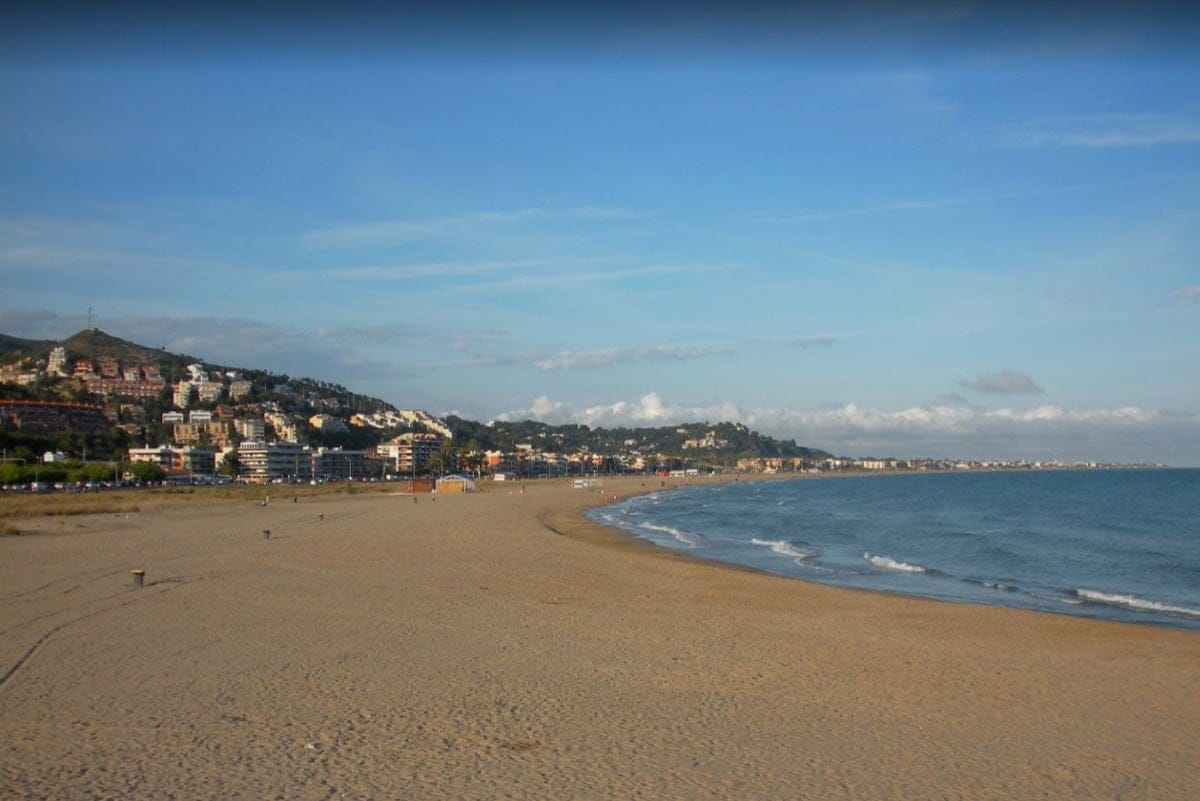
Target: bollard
x,y
139,577
266,533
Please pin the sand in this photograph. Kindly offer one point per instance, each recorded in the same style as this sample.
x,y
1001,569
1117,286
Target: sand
x,y
496,645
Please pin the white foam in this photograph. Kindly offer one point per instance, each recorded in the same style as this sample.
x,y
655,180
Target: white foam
x,y
784,548
1057,599
686,537
888,563
1139,604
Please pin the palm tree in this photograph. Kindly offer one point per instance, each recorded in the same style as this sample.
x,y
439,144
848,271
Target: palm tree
x,y
471,457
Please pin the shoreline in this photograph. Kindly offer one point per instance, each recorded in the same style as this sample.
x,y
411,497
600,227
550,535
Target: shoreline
x,y
587,530
502,645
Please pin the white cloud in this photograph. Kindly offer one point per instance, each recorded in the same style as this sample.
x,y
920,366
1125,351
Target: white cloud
x,y
804,343
939,431
1006,382
458,226
609,357
1115,130
1190,294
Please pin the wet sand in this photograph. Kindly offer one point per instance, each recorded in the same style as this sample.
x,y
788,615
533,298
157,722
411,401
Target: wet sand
x,y
499,645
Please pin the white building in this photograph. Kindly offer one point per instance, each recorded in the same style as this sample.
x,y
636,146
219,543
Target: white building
x,y
251,429
56,365
327,422
263,463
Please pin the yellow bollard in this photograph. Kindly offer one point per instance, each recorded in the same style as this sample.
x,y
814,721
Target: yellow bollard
x,y
139,576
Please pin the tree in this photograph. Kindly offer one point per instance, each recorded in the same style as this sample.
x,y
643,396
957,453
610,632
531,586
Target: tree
x,y
471,456
230,465
149,472
446,457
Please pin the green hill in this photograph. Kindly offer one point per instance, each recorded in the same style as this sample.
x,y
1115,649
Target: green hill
x,y
14,348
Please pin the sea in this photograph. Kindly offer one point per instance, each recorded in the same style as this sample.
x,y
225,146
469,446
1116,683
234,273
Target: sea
x,y
1113,544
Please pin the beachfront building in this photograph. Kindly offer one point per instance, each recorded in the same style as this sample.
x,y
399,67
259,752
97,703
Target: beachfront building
x,y
500,462
176,460
339,465
410,453
266,462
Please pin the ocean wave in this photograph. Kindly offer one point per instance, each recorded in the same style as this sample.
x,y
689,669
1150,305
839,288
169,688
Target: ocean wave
x,y
887,563
686,537
1069,601
784,548
1000,585
1137,604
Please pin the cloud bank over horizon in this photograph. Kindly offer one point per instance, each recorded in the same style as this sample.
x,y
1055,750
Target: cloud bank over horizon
x,y
949,428
936,431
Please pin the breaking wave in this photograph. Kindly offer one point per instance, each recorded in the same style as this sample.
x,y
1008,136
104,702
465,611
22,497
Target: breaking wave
x,y
784,548
1137,604
887,563
686,537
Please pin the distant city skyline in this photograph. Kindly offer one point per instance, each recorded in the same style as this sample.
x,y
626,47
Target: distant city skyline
x,y
949,231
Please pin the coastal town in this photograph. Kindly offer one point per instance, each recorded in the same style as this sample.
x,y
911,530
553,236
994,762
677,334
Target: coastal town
x,y
217,425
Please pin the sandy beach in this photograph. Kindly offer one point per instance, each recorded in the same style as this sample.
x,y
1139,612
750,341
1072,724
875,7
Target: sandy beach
x,y
498,645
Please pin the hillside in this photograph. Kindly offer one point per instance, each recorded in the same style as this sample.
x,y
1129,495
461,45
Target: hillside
x,y
23,370
14,348
95,346
707,442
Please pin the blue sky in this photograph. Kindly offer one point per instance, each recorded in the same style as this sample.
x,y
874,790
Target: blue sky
x,y
949,231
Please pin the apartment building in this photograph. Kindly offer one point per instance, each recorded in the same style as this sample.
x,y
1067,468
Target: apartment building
x,y
340,465
215,431
251,429
183,395
409,453
264,463
210,391
176,460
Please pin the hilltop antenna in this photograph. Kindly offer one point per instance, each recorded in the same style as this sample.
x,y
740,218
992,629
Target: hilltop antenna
x,y
89,318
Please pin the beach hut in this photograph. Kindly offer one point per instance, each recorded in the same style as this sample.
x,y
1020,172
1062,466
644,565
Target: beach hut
x,y
455,483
